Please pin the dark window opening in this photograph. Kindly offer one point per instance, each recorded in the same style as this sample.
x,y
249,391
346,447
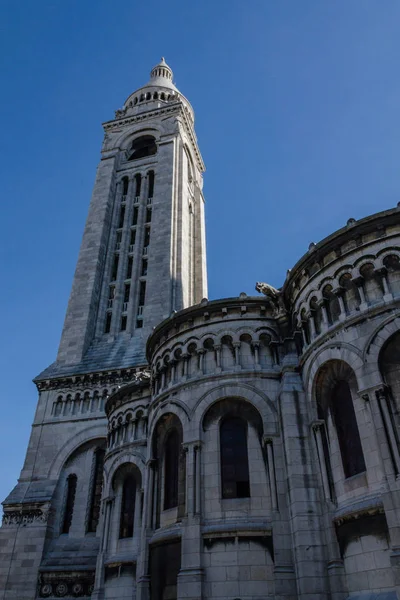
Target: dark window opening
x,y
138,181
124,321
135,215
121,217
97,486
171,454
142,293
125,186
108,323
111,293
129,268
69,504
234,460
127,292
345,421
151,184
133,237
146,237
114,271
118,238
142,147
127,507
144,267
139,323
148,215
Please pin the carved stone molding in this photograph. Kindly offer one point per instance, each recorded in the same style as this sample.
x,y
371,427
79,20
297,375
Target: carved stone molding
x,y
78,584
25,515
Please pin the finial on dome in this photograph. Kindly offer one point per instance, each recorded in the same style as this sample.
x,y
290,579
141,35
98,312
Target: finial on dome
x,y
162,70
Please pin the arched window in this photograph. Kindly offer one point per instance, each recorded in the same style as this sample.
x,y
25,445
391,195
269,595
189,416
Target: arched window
x,y
234,460
143,146
96,489
69,503
348,435
125,186
127,507
171,473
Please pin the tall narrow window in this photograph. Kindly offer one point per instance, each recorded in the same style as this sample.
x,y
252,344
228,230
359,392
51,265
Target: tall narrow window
x,y
138,182
118,239
142,293
234,461
127,507
121,217
69,503
127,291
135,215
144,267
148,215
129,267
171,473
345,421
111,296
146,237
124,322
114,271
133,237
151,184
125,186
95,496
107,326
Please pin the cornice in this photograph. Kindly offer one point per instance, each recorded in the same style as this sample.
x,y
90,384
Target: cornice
x,y
85,380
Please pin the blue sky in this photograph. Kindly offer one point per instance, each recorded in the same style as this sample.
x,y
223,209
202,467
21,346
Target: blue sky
x,y
297,115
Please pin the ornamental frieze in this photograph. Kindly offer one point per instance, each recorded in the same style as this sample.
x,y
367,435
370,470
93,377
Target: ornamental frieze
x,y
25,516
68,583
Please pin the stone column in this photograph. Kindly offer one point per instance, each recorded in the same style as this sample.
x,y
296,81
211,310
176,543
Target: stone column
x,y
173,371
317,428
381,396
256,348
387,294
201,352
271,473
236,346
303,501
197,450
217,349
359,281
310,318
325,320
339,293
191,573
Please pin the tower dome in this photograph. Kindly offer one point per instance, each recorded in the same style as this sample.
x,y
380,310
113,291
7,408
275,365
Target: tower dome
x,y
162,74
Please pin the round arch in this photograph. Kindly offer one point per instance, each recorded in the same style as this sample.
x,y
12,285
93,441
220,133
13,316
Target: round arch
x,y
248,393
87,435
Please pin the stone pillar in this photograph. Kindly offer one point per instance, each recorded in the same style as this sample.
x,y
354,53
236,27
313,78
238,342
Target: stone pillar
x,y
191,574
325,320
310,318
359,281
387,294
256,348
382,399
271,473
201,352
308,536
236,346
197,455
173,371
339,293
317,427
217,349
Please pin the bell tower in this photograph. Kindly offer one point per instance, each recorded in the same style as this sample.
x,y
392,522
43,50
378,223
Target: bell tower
x,y
143,250
142,257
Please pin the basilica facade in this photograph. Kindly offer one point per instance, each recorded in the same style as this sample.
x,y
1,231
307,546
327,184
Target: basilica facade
x,y
242,449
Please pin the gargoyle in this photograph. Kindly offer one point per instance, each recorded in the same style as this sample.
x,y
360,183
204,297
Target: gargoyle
x,y
272,294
